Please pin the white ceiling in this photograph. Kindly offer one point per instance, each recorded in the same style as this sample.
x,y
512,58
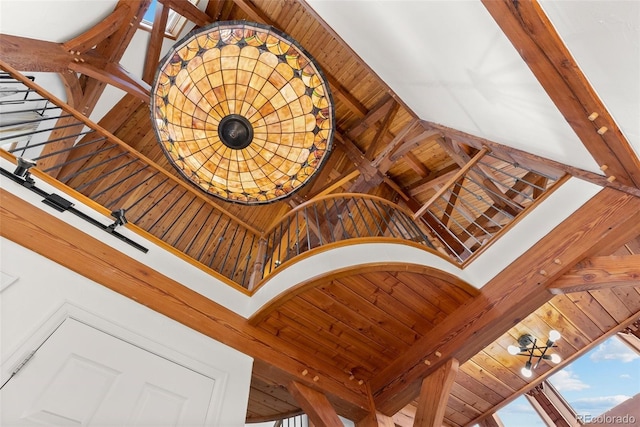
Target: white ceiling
x,y
447,59
451,64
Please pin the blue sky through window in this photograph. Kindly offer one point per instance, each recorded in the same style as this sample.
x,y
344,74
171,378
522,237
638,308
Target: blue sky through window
x,y
151,12
603,378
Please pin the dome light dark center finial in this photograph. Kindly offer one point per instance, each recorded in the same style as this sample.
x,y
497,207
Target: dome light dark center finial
x,y
235,131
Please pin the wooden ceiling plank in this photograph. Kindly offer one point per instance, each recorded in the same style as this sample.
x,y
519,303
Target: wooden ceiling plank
x,y
359,323
315,405
326,340
610,302
434,394
337,89
488,378
374,295
406,296
341,290
609,217
494,359
592,309
460,407
574,316
629,296
550,318
345,335
535,38
154,47
470,399
189,11
306,340
600,273
35,229
434,179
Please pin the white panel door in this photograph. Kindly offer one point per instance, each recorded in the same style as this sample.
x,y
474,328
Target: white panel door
x,y
81,376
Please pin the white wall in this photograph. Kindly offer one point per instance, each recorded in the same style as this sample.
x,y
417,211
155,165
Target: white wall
x,y
36,294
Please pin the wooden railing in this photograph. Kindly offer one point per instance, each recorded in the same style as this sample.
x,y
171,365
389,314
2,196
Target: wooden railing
x,y
461,219
477,205
334,218
107,174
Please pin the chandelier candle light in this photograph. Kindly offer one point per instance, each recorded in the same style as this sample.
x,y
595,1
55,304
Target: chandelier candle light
x,y
528,347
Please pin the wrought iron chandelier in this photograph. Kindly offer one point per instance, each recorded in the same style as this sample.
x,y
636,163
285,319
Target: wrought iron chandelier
x,y
242,112
528,347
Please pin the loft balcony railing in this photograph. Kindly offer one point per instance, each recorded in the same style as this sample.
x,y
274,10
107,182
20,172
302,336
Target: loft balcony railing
x,y
97,168
108,175
486,196
105,173
334,218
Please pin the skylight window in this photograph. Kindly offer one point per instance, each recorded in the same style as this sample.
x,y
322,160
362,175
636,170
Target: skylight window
x,y
175,22
593,384
601,379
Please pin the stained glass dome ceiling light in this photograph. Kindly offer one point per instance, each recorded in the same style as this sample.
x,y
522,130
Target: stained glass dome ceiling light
x,y
242,112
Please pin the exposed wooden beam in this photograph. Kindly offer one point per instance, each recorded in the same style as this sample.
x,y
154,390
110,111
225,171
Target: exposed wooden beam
x,y
315,405
486,218
112,49
374,115
492,420
384,159
382,131
480,177
68,246
408,145
600,272
27,54
610,219
155,43
434,179
215,7
415,164
541,164
536,40
551,406
434,395
115,75
337,183
459,174
367,170
189,11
